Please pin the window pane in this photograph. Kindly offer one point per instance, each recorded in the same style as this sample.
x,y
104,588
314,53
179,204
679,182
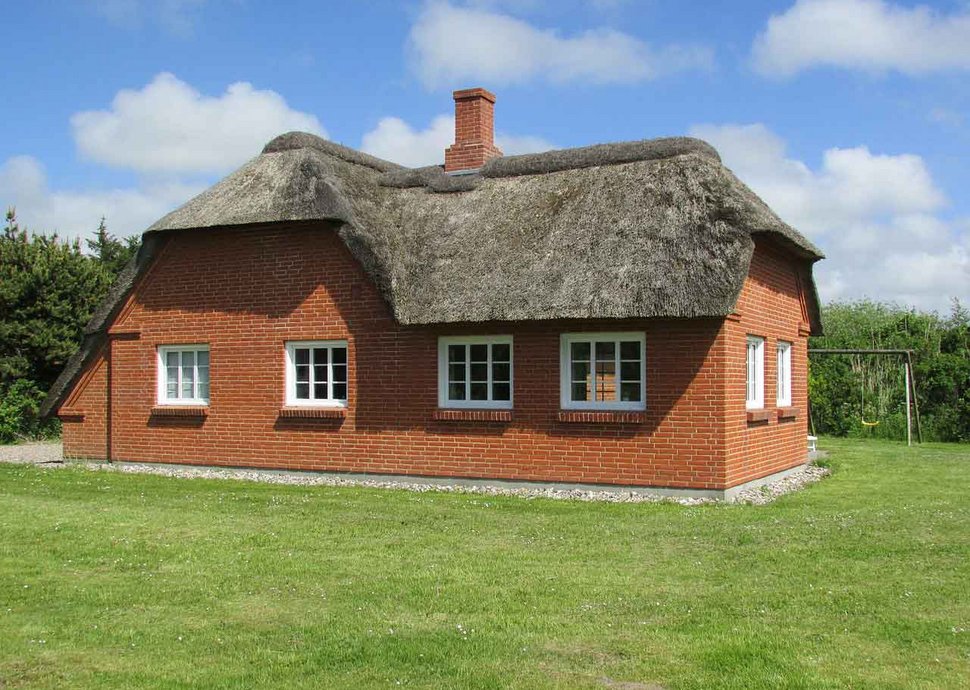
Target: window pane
x,y
630,392
479,391
605,351
340,391
580,391
501,371
320,355
580,352
580,371
188,379
302,355
456,371
501,352
203,375
630,350
203,358
456,353
479,371
172,387
501,391
320,373
204,391
339,355
172,359
340,373
630,371
303,373
478,353
188,360
303,391
581,381
320,391
456,391
605,378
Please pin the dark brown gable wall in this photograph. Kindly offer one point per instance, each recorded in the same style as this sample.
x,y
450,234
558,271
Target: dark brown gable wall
x,y
244,293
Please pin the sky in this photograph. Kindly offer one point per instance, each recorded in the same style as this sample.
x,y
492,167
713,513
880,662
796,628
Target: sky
x,y
851,118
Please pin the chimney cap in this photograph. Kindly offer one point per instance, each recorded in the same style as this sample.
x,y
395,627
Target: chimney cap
x,y
477,92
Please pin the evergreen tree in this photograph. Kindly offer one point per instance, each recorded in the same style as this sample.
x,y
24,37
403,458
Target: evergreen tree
x,y
111,252
48,291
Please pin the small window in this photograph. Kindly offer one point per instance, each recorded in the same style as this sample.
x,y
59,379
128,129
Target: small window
x,y
784,374
755,397
316,373
604,371
183,375
475,372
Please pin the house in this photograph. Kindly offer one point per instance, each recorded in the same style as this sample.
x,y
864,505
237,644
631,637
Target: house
x,y
623,314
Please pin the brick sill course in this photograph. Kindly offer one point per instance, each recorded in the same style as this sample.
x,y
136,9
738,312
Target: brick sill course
x,y
67,415
601,417
473,415
755,416
180,411
787,412
313,412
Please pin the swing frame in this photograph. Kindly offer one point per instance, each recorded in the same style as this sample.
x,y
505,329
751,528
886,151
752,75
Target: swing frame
x,y
912,403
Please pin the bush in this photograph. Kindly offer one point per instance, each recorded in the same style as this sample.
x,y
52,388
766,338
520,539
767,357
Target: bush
x,y
19,421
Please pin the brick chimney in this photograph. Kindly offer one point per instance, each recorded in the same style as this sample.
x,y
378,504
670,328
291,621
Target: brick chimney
x,y
474,131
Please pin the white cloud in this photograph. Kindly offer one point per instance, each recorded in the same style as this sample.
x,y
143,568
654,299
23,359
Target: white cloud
x,y
175,16
77,213
168,126
877,217
452,45
169,133
863,34
395,140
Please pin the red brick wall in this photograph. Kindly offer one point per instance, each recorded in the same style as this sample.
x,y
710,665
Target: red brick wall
x,y
771,306
84,413
247,292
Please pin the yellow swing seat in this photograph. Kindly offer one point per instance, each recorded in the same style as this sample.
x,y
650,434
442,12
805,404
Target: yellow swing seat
x,y
865,423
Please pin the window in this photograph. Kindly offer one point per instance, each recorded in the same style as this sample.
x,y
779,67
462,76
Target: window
x,y
784,374
183,375
316,373
755,397
605,371
475,371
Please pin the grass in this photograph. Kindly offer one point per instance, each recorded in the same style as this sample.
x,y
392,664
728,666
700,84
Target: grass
x,y
861,581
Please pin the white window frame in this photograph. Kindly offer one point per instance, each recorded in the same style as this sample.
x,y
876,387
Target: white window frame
x,y
291,346
444,402
783,373
162,383
565,370
754,372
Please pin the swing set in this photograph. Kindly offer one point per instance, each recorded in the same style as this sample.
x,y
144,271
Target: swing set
x,y
912,404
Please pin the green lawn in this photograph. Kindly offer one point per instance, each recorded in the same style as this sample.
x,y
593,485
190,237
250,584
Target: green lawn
x,y
861,581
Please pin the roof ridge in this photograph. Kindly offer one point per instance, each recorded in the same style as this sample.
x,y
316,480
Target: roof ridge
x,y
436,179
292,141
596,155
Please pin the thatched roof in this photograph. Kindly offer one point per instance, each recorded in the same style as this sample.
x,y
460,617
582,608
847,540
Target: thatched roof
x,y
656,228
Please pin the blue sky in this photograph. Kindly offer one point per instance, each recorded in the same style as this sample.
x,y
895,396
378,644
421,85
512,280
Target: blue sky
x,y
850,117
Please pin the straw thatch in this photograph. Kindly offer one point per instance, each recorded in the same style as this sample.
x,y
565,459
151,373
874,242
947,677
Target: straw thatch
x,y
642,229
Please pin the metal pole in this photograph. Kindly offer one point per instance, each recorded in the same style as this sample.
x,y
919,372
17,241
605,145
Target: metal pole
x,y
912,383
909,411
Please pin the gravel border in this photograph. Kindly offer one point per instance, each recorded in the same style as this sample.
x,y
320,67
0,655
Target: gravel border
x,y
50,455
